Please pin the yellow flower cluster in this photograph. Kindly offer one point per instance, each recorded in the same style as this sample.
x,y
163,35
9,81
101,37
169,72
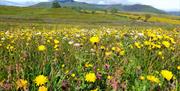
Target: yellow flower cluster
x,y
22,84
41,48
94,40
153,78
90,77
40,81
167,74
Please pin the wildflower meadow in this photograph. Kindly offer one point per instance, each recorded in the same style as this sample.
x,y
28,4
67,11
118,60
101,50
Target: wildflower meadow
x,y
80,59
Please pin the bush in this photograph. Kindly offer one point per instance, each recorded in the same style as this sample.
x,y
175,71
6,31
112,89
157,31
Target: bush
x,y
114,10
56,4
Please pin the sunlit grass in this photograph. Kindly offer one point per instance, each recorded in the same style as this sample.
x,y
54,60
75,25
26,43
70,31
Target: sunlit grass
x,y
90,59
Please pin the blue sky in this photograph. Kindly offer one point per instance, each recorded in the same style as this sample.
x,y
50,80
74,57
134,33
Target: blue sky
x,y
160,4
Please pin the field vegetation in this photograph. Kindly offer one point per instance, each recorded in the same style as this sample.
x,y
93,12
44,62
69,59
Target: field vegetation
x,y
62,49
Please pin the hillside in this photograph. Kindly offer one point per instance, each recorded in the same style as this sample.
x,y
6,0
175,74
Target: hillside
x,y
50,15
136,7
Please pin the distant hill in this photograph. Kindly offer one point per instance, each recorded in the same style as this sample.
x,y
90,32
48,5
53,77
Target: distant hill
x,y
71,3
141,8
177,13
68,15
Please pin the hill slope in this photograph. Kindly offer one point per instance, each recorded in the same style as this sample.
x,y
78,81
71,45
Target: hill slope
x,y
136,7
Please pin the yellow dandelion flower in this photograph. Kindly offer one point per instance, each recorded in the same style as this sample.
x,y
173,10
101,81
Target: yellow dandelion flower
x,y
48,41
90,77
107,54
167,74
67,71
178,67
153,79
141,77
42,88
137,44
122,53
56,41
62,65
113,48
88,65
10,47
166,44
109,77
98,69
147,43
94,40
102,48
41,80
172,40
21,83
160,53
56,46
162,57
73,75
41,48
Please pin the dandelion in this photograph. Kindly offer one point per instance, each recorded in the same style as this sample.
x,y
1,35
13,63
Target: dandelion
x,y
67,71
137,44
41,48
113,48
160,53
42,88
178,67
94,40
41,80
62,65
167,74
73,75
102,48
56,46
166,44
56,41
141,77
87,65
10,47
109,77
107,54
90,77
122,53
21,83
153,79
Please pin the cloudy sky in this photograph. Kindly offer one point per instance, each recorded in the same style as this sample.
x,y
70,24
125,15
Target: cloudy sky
x,y
160,4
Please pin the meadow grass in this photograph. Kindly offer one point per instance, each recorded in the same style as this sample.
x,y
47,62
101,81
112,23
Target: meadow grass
x,y
49,50
120,59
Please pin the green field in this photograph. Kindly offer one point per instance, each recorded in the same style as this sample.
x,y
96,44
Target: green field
x,y
47,49
22,16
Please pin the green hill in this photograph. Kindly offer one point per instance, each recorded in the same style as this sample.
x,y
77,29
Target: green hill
x,y
69,15
134,8
27,14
